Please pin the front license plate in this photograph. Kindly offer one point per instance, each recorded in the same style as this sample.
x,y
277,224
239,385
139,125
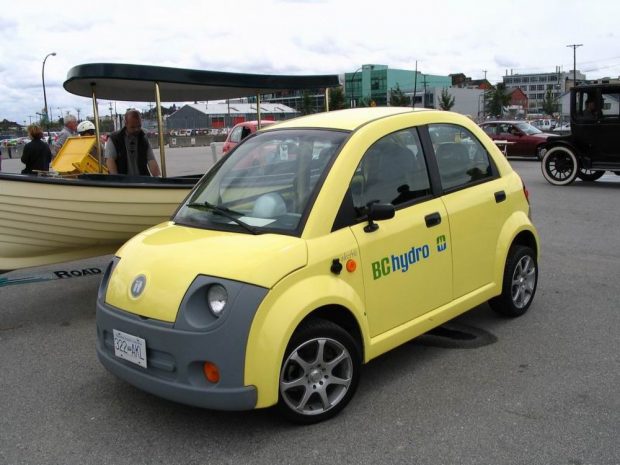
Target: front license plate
x,y
130,348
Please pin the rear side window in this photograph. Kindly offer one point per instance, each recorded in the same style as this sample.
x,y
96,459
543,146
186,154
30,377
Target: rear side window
x,y
235,136
393,170
461,158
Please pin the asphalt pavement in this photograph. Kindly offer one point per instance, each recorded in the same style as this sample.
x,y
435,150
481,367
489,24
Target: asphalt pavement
x,y
540,389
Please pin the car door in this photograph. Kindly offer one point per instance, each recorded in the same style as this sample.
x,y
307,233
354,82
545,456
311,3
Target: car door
x,y
406,261
509,132
475,202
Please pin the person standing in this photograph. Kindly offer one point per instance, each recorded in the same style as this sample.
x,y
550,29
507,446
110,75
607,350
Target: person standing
x,y
128,151
68,131
37,154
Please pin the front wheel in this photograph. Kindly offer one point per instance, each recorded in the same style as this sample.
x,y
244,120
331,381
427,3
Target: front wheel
x,y
589,175
519,283
559,166
320,372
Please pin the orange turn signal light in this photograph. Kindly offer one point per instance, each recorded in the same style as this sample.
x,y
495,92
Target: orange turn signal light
x,y
351,266
211,371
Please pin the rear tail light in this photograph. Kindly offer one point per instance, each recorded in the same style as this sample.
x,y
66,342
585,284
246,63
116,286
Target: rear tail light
x,y
525,191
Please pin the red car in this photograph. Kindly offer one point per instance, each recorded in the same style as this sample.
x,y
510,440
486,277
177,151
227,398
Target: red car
x,y
240,132
524,140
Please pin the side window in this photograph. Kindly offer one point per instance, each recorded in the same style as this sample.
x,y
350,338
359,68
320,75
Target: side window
x,y
611,105
235,136
461,158
393,170
490,129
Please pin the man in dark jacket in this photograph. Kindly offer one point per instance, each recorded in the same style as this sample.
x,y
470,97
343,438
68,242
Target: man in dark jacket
x,y
128,151
37,154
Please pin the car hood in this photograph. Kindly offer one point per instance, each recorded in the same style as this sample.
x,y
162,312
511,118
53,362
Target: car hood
x,y
543,135
171,256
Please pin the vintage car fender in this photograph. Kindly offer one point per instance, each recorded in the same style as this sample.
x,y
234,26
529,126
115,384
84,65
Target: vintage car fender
x,y
280,313
562,141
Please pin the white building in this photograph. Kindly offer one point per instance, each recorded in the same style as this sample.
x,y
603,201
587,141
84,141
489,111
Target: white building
x,y
536,85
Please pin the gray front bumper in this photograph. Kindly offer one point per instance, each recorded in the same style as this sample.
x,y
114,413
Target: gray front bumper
x,y
176,352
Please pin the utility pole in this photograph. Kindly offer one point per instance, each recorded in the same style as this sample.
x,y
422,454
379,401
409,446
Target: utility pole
x,y
415,84
574,46
485,74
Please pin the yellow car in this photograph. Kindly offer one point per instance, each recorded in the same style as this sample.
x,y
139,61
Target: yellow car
x,y
316,245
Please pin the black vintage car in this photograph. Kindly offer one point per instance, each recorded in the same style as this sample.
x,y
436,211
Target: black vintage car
x,y
593,146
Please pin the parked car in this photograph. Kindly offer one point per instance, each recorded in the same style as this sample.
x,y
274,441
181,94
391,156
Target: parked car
x,y
524,140
241,131
275,281
593,146
562,129
544,124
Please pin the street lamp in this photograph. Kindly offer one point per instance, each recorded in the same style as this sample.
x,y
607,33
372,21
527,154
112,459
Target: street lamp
x,y
45,96
351,81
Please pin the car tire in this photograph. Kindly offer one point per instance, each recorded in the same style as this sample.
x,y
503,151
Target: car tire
x,y
589,175
559,166
519,283
320,372
540,152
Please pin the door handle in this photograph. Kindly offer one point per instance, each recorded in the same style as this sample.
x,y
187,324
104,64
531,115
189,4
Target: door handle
x,y
500,196
432,220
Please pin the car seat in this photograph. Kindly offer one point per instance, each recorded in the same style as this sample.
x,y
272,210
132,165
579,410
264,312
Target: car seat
x,y
454,163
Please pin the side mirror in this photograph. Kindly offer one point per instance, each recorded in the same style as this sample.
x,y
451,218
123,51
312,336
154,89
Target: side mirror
x,y
377,212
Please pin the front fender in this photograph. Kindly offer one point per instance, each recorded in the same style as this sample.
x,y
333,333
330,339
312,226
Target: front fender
x,y
277,318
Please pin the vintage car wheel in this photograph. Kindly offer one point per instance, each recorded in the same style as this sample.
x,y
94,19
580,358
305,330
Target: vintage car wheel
x,y
320,372
519,283
560,166
589,175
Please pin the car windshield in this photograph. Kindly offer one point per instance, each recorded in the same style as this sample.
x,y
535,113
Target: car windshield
x,y
265,185
528,129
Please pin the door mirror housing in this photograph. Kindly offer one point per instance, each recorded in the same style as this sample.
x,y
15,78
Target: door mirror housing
x,y
378,212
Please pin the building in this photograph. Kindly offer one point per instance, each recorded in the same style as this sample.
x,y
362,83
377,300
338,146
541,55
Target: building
x,y
467,101
224,115
296,99
536,85
372,84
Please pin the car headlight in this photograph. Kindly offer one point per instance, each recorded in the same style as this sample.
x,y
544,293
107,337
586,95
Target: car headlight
x,y
217,298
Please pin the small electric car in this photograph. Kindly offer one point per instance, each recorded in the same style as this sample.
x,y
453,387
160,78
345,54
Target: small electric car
x,y
316,245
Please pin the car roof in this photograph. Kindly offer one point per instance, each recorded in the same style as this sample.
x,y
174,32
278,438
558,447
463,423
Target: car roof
x,y
515,121
344,119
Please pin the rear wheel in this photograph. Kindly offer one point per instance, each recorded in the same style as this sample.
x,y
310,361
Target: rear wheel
x,y
559,166
519,284
320,372
589,175
540,152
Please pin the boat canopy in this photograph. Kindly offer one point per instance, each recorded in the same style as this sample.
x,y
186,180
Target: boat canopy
x,y
130,82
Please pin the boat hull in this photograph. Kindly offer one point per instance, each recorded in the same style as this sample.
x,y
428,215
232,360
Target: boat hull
x,y
48,220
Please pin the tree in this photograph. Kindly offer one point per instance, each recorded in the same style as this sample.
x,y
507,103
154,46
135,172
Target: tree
x,y
306,104
398,98
336,98
446,101
549,104
497,99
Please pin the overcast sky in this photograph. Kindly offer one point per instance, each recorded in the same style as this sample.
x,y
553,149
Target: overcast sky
x,y
295,37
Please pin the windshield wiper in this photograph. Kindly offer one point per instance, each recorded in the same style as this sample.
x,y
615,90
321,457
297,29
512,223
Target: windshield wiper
x,y
225,212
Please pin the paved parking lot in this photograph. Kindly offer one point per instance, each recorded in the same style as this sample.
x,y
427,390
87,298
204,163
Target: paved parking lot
x,y
541,389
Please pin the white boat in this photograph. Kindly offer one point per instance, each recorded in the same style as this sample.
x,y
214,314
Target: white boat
x,y
45,220
51,220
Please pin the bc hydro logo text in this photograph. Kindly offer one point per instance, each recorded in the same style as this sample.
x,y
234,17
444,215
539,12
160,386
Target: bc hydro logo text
x,y
400,262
